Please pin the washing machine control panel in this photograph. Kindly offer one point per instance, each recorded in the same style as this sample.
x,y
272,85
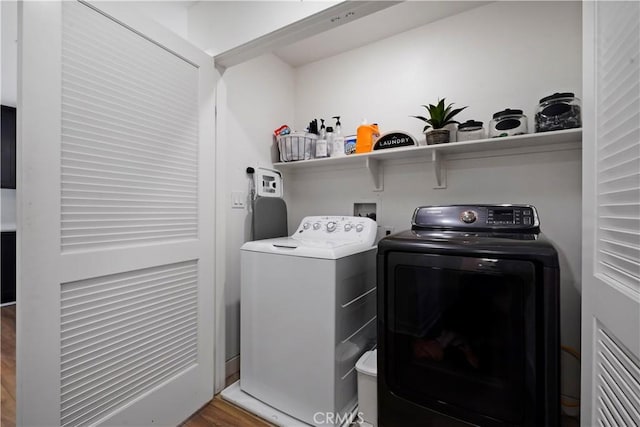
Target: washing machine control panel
x,y
337,228
491,217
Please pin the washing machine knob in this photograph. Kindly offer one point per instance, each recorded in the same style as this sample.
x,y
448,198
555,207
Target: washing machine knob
x,y
468,217
316,226
331,226
348,227
306,225
359,227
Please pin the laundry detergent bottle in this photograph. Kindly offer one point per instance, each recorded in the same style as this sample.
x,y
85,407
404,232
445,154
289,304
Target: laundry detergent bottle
x,y
364,137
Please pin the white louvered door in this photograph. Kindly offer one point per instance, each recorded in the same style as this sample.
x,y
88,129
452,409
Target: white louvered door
x,y
116,219
611,215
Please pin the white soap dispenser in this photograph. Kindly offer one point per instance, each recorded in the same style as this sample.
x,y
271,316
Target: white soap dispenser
x,y
321,143
329,141
338,140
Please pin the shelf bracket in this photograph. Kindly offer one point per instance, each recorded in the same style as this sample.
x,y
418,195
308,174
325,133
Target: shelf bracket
x,y
440,169
373,166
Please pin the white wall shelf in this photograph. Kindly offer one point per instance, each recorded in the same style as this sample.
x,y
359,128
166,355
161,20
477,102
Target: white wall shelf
x,y
511,145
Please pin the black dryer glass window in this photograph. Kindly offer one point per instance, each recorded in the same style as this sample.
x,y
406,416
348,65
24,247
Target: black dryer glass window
x,y
460,330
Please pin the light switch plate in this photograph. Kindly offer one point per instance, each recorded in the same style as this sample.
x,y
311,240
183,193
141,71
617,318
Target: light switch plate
x,y
238,199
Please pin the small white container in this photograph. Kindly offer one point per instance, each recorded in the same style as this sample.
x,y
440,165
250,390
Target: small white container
x,y
322,149
338,146
470,130
367,367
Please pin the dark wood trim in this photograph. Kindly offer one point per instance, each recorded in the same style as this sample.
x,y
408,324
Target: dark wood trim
x,y
8,147
8,266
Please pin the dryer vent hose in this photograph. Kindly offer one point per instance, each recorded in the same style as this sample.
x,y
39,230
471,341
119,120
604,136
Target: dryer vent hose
x,y
568,401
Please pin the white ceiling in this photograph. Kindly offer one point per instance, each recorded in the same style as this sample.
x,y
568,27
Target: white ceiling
x,y
393,20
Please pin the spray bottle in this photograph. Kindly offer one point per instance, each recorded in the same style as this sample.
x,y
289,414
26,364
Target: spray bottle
x,y
338,140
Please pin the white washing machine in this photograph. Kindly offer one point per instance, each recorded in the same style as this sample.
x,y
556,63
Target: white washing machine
x,y
308,311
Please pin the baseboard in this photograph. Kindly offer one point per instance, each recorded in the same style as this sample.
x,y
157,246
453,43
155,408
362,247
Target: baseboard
x,y
232,366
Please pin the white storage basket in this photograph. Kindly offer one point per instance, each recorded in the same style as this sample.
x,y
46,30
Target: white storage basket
x,y
297,146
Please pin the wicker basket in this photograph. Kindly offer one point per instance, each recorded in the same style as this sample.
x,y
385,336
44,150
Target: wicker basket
x,y
297,146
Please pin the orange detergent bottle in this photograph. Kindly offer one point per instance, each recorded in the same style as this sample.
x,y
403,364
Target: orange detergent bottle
x,y
364,137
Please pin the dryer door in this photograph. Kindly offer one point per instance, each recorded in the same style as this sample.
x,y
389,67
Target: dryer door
x,y
460,335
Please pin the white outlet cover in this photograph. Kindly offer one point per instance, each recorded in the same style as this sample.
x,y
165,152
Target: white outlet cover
x,y
238,199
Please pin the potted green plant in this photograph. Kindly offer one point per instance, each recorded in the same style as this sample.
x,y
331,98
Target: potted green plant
x,y
439,117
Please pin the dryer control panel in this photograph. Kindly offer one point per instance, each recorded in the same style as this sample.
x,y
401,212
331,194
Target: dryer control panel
x,y
510,215
477,217
348,229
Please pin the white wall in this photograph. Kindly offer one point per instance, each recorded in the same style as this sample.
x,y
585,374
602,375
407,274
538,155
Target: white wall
x,y
254,98
505,54
496,56
170,14
217,26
